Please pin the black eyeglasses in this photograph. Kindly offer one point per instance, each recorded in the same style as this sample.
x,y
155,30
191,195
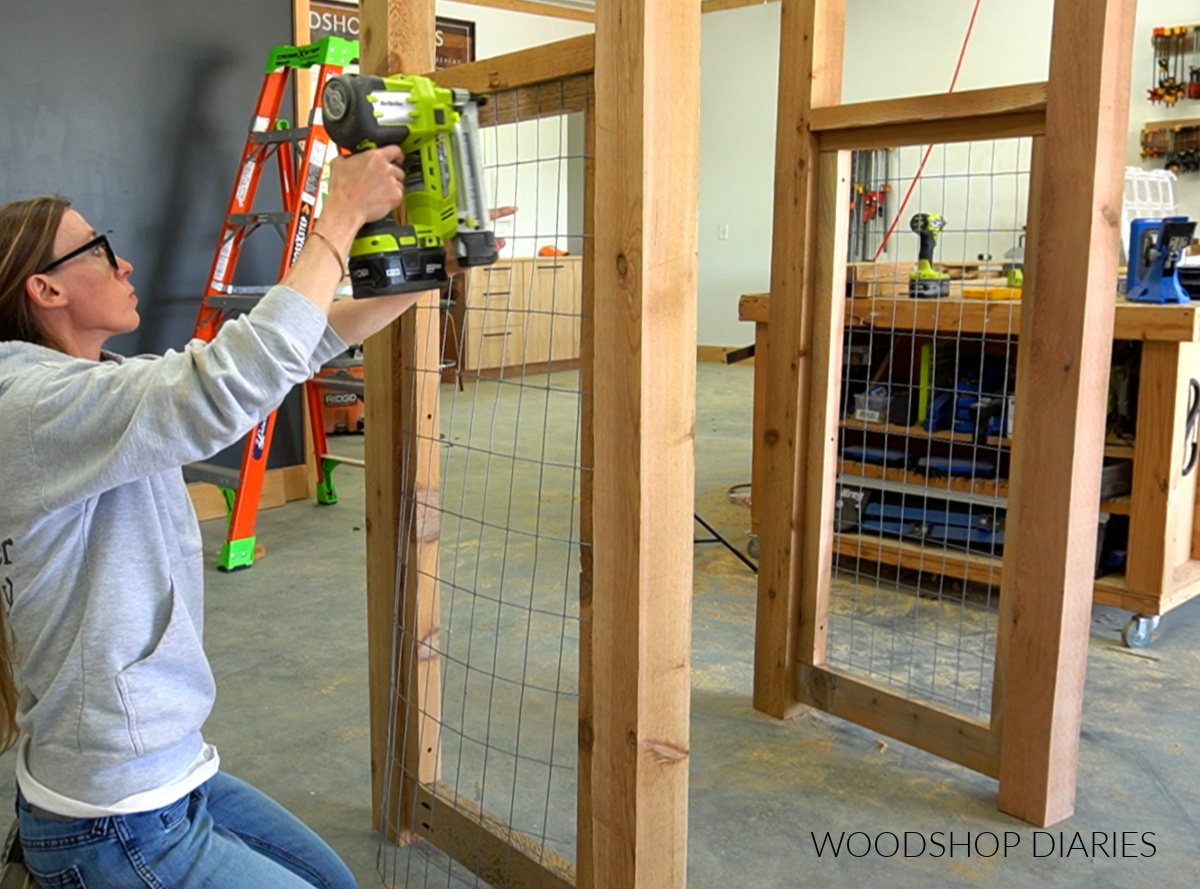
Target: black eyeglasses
x,y
98,241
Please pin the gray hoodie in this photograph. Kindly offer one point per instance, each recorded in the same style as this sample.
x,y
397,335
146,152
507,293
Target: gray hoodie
x,y
100,553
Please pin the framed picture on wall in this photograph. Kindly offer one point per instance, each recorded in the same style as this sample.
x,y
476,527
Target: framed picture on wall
x,y
455,41
455,38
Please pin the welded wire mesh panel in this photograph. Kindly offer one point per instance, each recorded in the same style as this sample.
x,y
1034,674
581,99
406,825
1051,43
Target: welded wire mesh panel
x,y
499,713
927,385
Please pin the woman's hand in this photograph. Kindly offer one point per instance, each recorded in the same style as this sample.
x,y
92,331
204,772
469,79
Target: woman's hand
x,y
364,187
500,213
452,267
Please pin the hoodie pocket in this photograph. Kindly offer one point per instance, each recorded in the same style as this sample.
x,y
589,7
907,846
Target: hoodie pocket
x,y
168,694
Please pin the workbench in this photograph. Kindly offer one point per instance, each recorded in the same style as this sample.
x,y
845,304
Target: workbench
x,y
1162,569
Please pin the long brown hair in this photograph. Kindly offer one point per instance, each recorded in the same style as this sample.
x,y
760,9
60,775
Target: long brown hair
x,y
27,232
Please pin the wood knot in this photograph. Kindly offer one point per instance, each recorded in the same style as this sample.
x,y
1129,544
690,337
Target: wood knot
x,y
622,264
587,737
771,437
665,753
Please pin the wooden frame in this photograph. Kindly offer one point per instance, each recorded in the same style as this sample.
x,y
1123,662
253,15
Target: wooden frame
x,y
1077,121
997,113
634,646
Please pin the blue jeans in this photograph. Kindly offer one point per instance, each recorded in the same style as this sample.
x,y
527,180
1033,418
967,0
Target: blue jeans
x,y
223,835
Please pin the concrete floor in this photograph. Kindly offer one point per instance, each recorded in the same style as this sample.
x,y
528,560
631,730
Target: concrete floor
x,y
288,646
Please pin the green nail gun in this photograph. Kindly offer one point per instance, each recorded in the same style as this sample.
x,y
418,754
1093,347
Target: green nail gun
x,y
444,196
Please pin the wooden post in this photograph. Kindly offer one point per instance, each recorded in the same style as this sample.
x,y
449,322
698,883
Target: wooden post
x,y
1066,334
402,376
584,874
301,33
810,66
647,138
819,469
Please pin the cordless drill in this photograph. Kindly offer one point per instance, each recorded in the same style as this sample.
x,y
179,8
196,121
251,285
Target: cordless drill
x,y
925,282
438,131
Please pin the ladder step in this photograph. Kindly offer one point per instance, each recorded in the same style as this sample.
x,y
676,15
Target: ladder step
x,y
280,217
341,384
244,290
232,302
292,134
221,476
348,461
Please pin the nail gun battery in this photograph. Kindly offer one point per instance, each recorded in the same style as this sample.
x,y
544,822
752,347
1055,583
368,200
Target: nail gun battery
x,y
386,259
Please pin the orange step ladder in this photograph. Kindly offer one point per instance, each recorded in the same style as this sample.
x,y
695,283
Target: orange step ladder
x,y
300,175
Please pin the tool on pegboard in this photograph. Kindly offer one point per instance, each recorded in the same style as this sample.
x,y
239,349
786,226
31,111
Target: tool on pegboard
x,y
871,202
1193,88
1172,46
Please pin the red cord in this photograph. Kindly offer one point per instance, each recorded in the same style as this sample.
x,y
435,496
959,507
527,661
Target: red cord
x,y
929,150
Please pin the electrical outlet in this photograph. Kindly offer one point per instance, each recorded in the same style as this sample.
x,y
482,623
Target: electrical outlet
x,y
723,231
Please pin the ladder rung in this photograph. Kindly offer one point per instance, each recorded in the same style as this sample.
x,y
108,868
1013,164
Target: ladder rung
x,y
291,134
341,384
281,217
244,290
349,461
232,302
222,476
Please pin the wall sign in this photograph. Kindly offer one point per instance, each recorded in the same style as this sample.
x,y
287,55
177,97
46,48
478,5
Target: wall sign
x,y
455,41
455,38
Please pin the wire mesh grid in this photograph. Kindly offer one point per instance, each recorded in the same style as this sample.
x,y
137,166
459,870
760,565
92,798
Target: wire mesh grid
x,y
926,410
500,711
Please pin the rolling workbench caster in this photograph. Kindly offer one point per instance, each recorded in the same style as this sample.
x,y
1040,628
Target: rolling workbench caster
x,y
752,545
1137,630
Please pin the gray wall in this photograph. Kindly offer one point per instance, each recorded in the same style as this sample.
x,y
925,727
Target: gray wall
x,y
138,111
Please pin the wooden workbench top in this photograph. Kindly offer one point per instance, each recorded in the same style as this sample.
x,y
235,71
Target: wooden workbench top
x,y
1134,321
